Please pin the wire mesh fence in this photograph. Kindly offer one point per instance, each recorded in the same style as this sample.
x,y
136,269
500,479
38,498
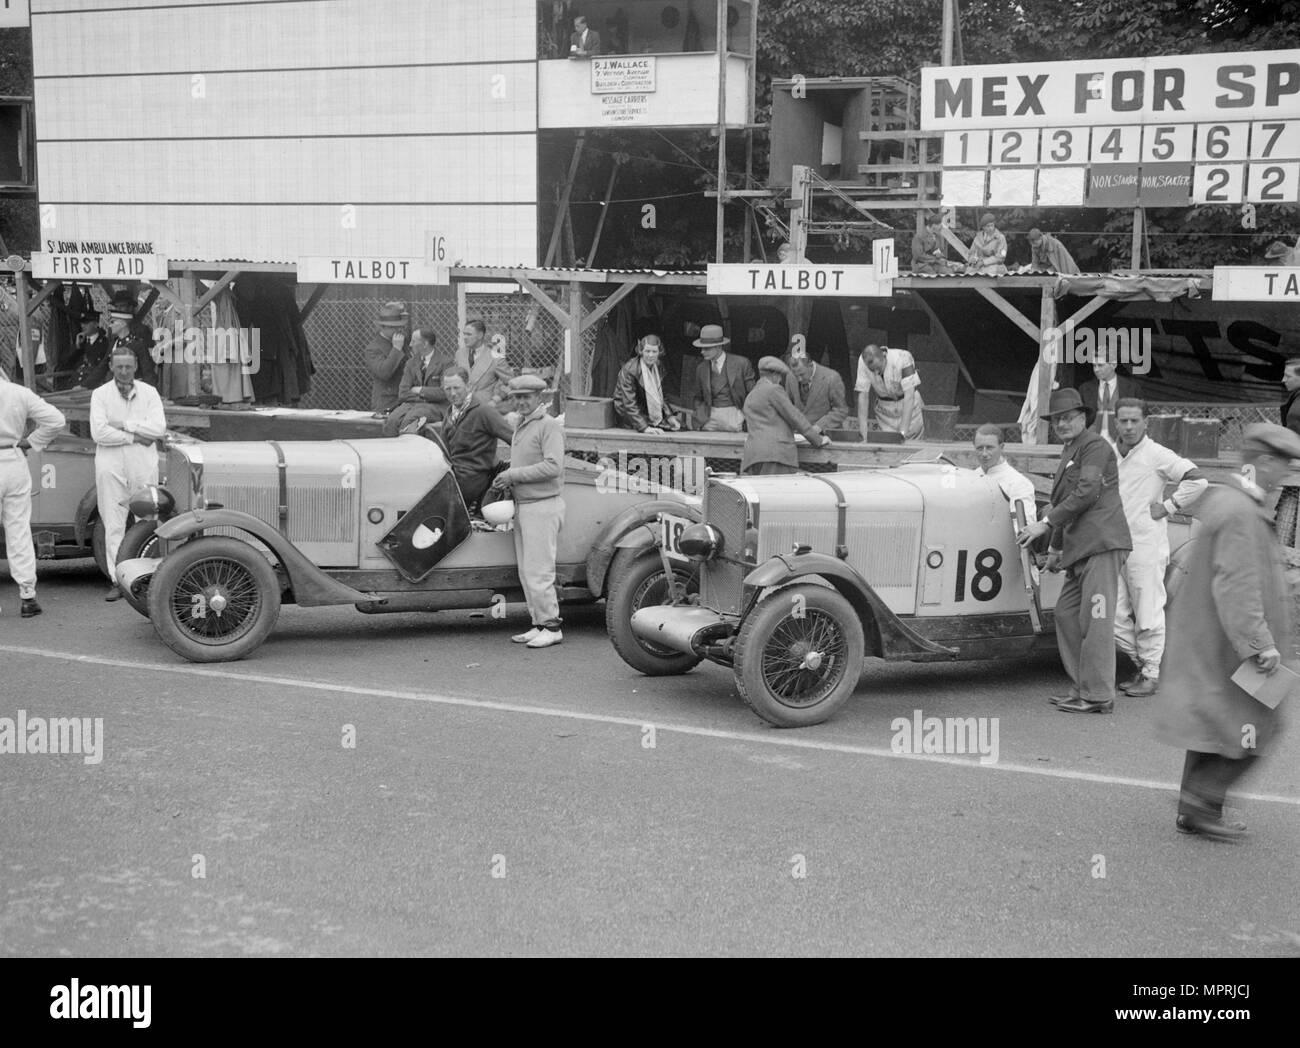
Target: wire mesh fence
x,y
342,322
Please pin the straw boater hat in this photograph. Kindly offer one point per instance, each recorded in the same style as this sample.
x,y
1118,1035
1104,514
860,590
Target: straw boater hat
x,y
711,337
393,314
1064,400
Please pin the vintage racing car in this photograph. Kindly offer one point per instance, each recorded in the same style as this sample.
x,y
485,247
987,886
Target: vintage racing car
x,y
378,523
792,581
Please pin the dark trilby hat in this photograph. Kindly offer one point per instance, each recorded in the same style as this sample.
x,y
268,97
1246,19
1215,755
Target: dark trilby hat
x,y
1064,400
123,306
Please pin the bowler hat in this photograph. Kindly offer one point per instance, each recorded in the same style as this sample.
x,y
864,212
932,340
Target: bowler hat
x,y
1272,438
773,364
987,219
528,384
1064,400
711,337
123,306
393,314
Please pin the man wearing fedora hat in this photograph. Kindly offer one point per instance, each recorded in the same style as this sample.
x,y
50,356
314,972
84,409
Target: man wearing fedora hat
x,y
1232,608
535,479
988,251
723,383
772,421
129,334
386,355
1089,541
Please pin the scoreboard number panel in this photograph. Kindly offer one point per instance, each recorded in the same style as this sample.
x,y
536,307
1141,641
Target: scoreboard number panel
x,y
1011,187
1167,143
1219,183
1217,142
1273,183
1015,147
965,188
1116,145
1062,186
966,148
1275,140
1064,145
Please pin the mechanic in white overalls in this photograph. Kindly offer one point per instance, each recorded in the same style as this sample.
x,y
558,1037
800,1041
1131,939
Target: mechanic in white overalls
x,y
890,374
126,422
18,407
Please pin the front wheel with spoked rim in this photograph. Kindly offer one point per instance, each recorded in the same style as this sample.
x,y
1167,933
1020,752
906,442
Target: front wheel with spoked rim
x,y
798,655
638,580
214,600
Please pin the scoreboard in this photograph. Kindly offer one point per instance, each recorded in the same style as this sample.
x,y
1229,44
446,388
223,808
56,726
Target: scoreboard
x,y
1153,132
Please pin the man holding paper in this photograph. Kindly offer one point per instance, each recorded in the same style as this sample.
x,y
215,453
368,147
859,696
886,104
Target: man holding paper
x,y
1231,609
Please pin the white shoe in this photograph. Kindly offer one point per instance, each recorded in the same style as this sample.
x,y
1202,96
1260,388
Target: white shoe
x,y
524,638
545,638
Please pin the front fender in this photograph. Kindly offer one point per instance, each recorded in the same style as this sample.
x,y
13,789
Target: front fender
x,y
893,638
631,528
311,587
87,510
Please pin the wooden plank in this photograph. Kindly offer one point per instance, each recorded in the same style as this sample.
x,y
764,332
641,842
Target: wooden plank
x,y
50,287
215,289
544,300
1085,311
598,314
1010,312
1047,320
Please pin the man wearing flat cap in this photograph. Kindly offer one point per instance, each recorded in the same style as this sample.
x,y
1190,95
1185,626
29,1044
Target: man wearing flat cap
x,y
535,479
386,355
723,382
1231,608
1089,539
988,251
128,333
772,421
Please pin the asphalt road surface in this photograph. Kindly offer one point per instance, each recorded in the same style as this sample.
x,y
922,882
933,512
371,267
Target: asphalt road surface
x,y
415,784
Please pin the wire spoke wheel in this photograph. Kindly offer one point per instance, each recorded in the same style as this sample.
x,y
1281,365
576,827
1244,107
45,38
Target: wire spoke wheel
x,y
215,601
798,655
637,580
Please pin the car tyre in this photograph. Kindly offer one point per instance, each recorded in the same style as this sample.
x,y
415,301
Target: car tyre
x,y
637,580
139,541
190,579
798,655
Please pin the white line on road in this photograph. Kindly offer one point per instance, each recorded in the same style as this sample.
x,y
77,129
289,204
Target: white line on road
x,y
774,738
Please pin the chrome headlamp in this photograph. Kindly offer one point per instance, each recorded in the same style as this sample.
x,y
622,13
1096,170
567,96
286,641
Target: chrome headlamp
x,y
700,542
152,503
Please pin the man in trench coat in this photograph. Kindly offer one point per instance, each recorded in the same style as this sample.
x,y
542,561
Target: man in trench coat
x,y
1231,606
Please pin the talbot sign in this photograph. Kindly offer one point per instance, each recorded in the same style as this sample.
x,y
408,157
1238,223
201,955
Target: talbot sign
x,y
325,269
798,280
1256,284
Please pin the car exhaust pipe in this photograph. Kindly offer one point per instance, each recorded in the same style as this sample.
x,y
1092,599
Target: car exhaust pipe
x,y
679,628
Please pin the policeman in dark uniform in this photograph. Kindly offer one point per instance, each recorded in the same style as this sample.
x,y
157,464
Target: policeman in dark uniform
x,y
133,336
91,358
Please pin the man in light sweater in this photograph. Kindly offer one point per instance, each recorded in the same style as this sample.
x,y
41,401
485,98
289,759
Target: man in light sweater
x,y
126,423
536,478
1145,467
18,407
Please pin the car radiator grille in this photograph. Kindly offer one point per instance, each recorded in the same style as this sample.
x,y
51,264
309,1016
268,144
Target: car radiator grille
x,y
726,509
317,513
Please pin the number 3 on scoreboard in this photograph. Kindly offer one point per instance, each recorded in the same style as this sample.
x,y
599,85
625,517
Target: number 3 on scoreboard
x,y
1219,183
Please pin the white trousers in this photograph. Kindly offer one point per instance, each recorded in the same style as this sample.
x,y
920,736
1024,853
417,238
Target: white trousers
x,y
537,537
16,516
119,473
1140,612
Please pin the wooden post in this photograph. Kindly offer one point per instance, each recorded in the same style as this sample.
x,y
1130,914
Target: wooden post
x,y
1046,321
801,198
1135,253
26,355
562,208
722,130
947,31
577,365
600,222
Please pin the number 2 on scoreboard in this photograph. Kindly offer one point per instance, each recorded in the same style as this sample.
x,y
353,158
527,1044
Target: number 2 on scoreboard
x,y
1274,183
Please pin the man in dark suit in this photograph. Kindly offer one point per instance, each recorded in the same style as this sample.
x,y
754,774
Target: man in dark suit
x,y
471,431
91,358
420,393
639,399
585,41
723,382
772,421
817,391
1101,395
1089,541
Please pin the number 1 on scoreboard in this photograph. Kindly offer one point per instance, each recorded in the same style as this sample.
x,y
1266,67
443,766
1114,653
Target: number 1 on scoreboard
x,y
966,148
